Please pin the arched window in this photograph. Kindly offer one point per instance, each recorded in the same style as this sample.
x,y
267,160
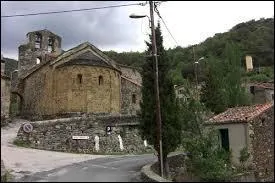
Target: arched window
x,y
38,60
79,78
100,80
38,39
50,44
134,98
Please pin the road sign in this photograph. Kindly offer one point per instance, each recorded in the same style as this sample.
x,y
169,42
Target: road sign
x,y
108,130
27,127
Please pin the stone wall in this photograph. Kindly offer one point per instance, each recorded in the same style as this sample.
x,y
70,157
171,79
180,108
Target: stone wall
x,y
261,132
57,135
131,97
131,73
52,91
5,96
131,83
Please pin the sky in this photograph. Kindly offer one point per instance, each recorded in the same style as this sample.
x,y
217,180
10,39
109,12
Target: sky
x,y
190,22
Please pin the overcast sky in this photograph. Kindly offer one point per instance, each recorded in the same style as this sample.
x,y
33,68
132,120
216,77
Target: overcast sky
x,y
190,22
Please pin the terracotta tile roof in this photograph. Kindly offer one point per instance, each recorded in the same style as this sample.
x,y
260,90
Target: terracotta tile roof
x,y
240,114
263,85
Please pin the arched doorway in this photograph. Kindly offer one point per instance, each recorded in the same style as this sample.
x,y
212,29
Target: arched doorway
x,y
16,104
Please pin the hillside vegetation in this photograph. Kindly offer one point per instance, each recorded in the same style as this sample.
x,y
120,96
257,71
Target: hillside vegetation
x,y
255,38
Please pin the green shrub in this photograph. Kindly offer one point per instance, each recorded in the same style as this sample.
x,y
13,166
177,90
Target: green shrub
x,y
21,143
7,177
208,161
244,155
259,78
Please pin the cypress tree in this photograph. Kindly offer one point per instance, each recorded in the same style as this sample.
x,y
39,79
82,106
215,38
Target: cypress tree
x,y
171,126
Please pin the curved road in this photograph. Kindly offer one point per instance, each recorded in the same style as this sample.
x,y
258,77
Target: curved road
x,y
110,169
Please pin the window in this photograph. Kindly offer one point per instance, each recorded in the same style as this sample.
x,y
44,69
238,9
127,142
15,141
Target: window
x,y
224,139
38,39
38,60
79,78
262,120
100,80
181,91
252,90
50,45
134,98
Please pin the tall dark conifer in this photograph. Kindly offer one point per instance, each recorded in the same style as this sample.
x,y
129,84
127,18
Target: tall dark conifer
x,y
171,126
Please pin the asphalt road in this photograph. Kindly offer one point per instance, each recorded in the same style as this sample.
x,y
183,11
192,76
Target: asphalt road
x,y
110,169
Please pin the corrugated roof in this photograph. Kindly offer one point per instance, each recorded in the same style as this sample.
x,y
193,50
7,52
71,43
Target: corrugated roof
x,y
240,114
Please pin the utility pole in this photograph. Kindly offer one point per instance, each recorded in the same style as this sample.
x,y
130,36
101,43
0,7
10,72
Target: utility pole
x,y
158,113
196,72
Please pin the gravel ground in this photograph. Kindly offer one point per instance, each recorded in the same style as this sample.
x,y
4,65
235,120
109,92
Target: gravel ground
x,y
24,161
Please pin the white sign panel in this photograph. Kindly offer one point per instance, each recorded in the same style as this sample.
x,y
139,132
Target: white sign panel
x,y
81,137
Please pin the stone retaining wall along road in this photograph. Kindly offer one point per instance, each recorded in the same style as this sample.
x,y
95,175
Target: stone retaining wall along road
x,y
58,135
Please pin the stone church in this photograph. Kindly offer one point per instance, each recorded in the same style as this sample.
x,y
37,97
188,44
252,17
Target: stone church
x,y
51,81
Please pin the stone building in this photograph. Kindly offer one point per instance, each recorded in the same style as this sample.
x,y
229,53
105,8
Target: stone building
x,y
5,91
130,90
261,92
52,81
250,127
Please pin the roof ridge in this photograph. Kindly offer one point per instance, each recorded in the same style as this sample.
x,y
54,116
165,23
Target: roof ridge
x,y
241,113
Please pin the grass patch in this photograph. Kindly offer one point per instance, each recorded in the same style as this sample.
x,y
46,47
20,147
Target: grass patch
x,y
21,143
7,177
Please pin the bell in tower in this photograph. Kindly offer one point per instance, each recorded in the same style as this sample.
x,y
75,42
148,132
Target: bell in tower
x,y
41,45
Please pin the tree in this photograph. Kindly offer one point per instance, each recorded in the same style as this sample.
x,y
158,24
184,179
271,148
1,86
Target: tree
x,y
207,159
223,88
236,94
213,92
171,127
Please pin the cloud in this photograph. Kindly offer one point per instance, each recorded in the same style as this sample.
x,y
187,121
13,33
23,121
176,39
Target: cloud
x,y
104,28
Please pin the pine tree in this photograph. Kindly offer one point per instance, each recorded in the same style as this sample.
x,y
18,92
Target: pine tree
x,y
171,126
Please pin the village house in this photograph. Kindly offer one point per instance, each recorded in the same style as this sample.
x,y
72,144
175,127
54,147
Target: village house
x,y
261,92
83,79
250,127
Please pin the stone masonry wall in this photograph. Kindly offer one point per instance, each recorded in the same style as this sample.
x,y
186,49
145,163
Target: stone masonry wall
x,y
128,91
131,83
5,96
53,91
57,135
262,143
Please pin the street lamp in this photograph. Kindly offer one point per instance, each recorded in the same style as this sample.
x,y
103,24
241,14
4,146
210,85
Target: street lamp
x,y
196,75
137,16
154,49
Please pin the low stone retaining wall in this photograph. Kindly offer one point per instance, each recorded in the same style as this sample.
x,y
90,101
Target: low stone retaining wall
x,y
57,135
175,161
149,172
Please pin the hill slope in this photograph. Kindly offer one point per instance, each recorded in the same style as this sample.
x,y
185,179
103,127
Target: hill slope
x,y
255,38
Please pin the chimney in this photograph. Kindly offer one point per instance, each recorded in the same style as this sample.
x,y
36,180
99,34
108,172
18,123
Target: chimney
x,y
249,63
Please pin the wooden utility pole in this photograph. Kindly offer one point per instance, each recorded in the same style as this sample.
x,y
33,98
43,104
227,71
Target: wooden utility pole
x,y
158,113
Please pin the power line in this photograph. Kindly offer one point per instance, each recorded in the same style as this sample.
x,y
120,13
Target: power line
x,y
157,11
66,11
